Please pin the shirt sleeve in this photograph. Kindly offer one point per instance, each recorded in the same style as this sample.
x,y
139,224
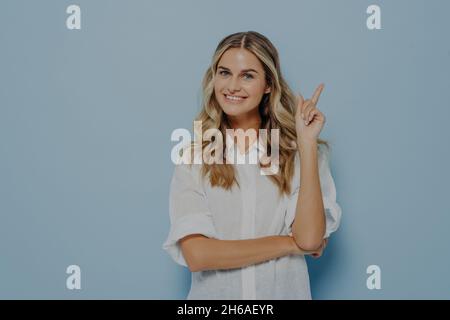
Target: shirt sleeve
x,y
188,210
333,211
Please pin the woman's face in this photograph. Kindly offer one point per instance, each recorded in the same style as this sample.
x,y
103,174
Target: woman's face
x,y
239,82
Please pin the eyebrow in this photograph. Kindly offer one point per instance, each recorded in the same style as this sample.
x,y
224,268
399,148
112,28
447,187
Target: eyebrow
x,y
245,70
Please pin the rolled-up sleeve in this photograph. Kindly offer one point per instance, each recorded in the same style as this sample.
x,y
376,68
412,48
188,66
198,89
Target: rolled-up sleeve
x,y
188,210
333,211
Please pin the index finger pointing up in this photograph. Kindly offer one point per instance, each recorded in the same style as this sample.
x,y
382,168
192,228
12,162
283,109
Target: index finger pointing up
x,y
317,93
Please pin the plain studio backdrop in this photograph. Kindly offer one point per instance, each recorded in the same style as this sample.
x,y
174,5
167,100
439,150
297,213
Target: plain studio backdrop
x,y
86,118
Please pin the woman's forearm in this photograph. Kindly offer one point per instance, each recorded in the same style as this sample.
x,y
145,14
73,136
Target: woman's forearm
x,y
309,224
202,253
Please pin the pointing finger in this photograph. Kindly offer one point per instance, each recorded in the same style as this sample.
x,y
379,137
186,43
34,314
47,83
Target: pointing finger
x,y
317,93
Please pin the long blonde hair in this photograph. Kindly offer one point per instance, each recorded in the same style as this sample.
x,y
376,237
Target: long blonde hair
x,y
277,110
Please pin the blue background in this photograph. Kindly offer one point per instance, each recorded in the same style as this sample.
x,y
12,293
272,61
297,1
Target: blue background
x,y
86,117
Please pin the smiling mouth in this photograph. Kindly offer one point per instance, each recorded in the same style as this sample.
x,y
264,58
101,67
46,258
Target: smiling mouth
x,y
234,98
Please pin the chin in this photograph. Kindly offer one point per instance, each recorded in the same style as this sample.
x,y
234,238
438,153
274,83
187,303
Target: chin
x,y
233,110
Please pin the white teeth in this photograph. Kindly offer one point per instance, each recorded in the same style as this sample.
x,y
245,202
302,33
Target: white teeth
x,y
234,98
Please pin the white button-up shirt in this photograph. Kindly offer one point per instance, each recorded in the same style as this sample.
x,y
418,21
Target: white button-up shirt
x,y
252,211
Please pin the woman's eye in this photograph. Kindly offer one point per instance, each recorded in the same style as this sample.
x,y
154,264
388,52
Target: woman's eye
x,y
246,75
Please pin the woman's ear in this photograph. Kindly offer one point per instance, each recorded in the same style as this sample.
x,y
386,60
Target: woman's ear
x,y
268,89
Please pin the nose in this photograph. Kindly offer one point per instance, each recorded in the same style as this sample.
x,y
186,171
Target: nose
x,y
234,85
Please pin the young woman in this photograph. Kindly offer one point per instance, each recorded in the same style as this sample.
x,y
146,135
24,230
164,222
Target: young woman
x,y
245,235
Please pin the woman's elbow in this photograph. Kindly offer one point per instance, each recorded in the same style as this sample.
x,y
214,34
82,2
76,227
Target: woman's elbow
x,y
193,266
192,256
307,243
193,262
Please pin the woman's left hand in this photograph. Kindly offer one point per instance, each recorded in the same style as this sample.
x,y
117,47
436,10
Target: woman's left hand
x,y
318,253
309,121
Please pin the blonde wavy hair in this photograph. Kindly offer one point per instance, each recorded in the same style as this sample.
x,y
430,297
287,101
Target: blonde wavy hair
x,y
277,111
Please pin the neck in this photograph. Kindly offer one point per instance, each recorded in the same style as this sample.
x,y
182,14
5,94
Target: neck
x,y
251,120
